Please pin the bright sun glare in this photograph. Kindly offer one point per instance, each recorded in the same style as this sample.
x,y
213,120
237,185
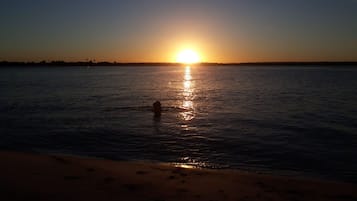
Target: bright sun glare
x,y
188,57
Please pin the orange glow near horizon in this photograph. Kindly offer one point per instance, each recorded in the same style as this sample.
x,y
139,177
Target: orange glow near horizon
x,y
188,56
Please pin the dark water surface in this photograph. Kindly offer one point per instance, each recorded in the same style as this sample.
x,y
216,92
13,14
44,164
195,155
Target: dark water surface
x,y
283,120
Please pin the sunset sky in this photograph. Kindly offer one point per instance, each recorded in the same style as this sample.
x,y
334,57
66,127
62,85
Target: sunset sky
x,y
157,30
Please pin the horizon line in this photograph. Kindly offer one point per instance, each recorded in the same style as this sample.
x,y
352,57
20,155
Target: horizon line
x,y
115,63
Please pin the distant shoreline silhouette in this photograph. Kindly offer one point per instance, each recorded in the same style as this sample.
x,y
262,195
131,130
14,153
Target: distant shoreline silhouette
x,y
92,63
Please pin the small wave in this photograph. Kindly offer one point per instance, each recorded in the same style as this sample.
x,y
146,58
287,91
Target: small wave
x,y
147,108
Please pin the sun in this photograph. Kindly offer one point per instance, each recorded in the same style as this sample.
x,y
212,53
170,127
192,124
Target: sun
x,y
187,57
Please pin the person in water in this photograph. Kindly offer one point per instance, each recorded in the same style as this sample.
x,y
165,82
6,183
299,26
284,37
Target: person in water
x,y
157,108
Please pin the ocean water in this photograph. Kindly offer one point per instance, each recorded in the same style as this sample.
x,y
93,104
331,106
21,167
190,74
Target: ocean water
x,y
281,120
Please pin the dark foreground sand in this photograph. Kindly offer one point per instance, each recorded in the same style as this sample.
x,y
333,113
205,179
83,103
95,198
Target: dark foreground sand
x,y
44,177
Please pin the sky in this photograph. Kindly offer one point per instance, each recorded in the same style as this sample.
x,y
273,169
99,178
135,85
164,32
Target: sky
x,y
157,30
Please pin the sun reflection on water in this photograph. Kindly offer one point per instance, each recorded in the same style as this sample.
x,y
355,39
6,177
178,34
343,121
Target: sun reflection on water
x,y
182,165
190,163
188,89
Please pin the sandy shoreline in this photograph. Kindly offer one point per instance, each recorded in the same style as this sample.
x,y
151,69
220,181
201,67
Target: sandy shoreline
x,y
53,177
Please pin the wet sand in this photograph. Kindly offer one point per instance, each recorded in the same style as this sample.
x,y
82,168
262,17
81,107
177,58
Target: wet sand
x,y
55,177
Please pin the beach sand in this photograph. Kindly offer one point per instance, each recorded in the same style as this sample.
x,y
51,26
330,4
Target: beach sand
x,y
54,177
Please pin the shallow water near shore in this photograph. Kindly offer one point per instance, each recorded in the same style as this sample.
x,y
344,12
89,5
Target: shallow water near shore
x,y
283,120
